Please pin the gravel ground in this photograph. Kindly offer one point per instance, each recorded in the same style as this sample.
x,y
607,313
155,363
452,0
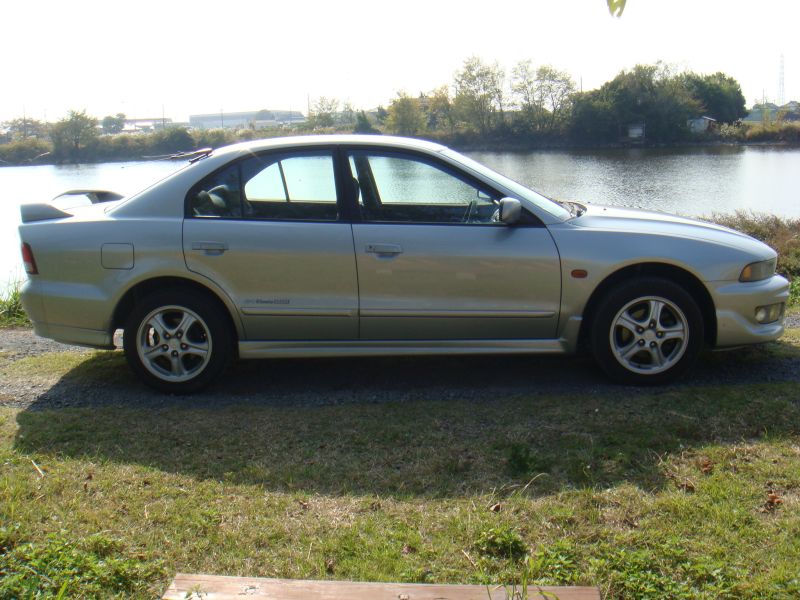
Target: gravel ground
x,y
314,382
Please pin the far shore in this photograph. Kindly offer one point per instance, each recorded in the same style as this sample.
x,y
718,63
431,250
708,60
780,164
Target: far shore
x,y
461,145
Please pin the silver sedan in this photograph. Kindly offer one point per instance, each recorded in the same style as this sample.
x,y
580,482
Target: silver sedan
x,y
367,246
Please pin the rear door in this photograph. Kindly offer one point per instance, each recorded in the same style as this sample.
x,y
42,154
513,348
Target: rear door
x,y
434,262
269,230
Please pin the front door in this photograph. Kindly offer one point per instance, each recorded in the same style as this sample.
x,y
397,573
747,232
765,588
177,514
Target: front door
x,y
434,262
267,229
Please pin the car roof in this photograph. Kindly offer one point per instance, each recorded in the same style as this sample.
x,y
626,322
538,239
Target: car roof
x,y
327,140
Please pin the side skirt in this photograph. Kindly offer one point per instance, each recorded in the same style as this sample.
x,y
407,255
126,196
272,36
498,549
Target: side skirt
x,y
295,349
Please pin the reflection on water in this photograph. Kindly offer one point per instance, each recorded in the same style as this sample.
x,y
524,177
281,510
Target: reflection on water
x,y
697,181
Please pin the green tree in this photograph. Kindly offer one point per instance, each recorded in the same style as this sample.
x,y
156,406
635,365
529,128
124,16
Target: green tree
x,y
348,114
172,139
323,112
720,95
113,125
363,125
593,118
479,94
24,128
440,110
649,94
73,134
405,115
543,95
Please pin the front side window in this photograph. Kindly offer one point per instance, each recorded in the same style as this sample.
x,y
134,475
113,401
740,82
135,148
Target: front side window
x,y
400,188
295,187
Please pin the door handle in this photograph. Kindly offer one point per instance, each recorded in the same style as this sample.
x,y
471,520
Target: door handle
x,y
384,249
210,247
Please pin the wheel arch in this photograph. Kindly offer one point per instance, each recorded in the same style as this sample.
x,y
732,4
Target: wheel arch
x,y
673,273
143,288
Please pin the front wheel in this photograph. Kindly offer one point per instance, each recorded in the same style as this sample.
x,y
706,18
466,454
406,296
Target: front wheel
x,y
176,341
647,331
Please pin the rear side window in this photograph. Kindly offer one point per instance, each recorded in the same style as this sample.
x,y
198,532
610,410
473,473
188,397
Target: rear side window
x,y
218,195
294,187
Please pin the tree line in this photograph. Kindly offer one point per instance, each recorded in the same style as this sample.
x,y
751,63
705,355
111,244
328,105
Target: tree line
x,y
542,105
528,106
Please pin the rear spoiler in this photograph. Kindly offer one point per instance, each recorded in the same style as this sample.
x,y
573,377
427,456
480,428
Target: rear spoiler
x,y
95,196
46,212
41,212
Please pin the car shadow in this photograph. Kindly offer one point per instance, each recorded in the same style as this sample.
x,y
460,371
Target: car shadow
x,y
430,427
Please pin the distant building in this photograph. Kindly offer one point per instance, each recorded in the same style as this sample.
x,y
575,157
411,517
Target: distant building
x,y
636,131
772,112
701,124
145,125
258,119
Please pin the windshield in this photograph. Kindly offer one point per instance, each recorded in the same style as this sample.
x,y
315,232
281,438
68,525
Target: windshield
x,y
518,189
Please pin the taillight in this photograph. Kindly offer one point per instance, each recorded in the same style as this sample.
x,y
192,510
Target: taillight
x,y
27,258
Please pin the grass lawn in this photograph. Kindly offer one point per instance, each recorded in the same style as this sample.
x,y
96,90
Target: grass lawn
x,y
684,492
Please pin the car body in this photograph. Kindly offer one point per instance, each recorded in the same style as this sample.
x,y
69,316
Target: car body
x,y
375,245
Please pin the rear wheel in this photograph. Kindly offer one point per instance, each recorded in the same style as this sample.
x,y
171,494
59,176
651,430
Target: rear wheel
x,y
176,341
647,331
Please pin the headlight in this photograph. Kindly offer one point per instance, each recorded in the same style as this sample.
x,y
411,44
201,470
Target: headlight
x,y
759,270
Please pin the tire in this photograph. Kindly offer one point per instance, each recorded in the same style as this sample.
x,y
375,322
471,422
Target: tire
x,y
647,331
177,340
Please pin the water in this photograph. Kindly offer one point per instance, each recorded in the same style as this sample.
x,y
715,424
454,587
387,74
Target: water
x,y
22,185
694,182
686,181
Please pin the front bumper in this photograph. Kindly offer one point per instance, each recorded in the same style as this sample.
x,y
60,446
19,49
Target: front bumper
x,y
736,304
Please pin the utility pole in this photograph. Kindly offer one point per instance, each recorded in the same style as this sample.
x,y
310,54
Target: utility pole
x,y
781,89
221,119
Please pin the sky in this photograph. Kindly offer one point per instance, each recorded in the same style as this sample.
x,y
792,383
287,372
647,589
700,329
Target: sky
x,y
177,57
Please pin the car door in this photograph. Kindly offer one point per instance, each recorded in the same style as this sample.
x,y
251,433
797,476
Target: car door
x,y
434,262
268,230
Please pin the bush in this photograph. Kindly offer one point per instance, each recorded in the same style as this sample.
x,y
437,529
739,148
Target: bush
x,y
23,151
783,235
501,542
773,132
11,311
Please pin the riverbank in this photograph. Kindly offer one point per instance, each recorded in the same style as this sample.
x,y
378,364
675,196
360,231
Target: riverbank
x,y
127,147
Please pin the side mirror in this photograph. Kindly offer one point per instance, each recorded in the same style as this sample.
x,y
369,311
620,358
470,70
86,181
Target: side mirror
x,y
510,210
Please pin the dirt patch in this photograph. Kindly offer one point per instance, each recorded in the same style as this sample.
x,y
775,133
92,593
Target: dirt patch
x,y
58,380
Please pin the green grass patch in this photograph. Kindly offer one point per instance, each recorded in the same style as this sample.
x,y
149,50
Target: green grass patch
x,y
681,493
11,312
86,366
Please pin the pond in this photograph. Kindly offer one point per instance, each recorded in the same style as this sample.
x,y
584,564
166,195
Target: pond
x,y
696,182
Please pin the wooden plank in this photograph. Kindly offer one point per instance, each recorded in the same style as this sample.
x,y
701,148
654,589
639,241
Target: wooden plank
x,y
215,587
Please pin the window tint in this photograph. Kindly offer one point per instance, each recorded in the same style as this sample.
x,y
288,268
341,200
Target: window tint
x,y
281,187
393,188
218,195
298,187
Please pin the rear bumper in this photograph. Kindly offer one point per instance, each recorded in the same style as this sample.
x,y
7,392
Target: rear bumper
x,y
75,335
39,306
736,305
